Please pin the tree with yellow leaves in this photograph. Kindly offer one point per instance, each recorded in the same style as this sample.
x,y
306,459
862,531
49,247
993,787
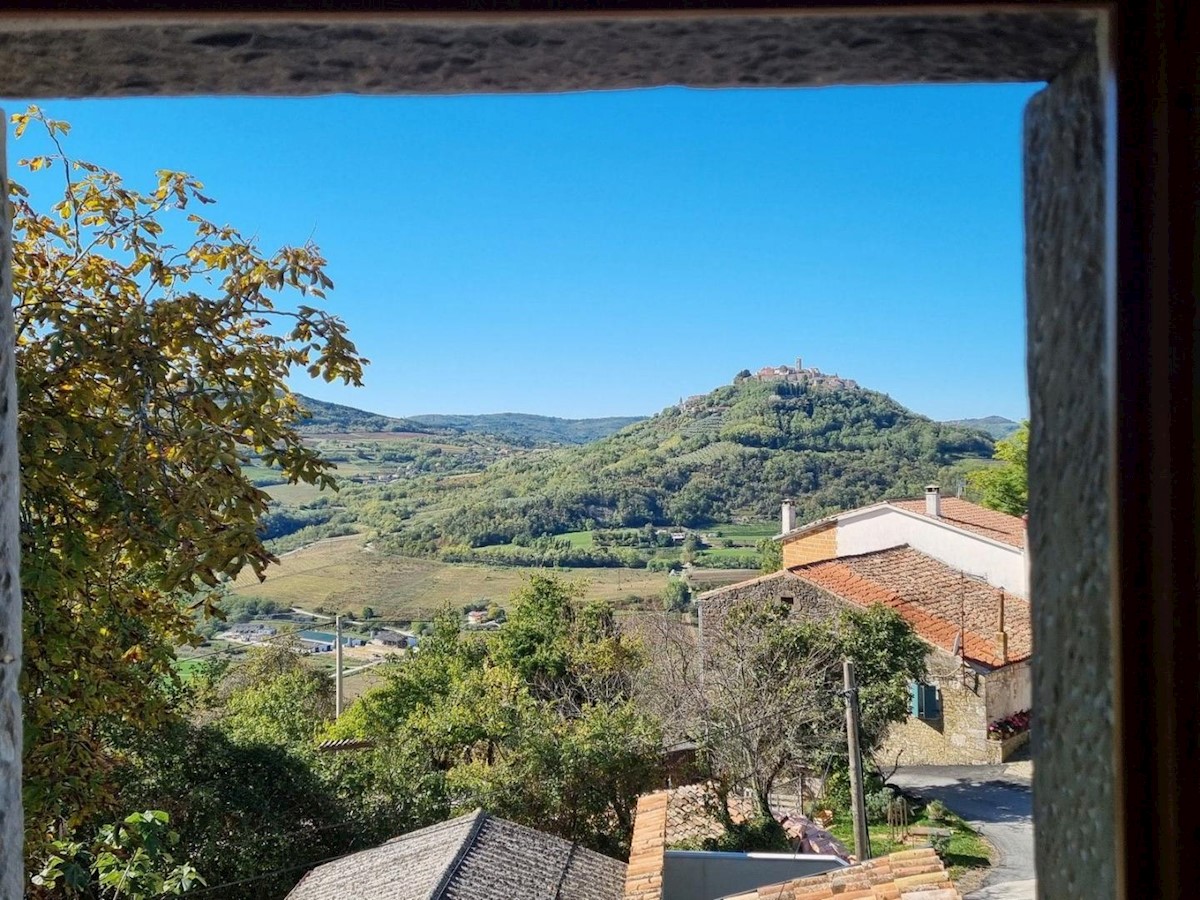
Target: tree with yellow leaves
x,y
152,350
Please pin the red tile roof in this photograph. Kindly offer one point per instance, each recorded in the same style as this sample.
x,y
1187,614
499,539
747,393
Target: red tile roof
x,y
907,875
970,517
937,600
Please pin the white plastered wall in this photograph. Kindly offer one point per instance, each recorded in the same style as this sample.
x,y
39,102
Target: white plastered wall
x,y
883,527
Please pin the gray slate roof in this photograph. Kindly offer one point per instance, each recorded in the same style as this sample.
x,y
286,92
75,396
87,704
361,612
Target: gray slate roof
x,y
473,857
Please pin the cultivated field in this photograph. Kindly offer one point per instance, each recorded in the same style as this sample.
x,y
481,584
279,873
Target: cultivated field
x,y
344,574
298,494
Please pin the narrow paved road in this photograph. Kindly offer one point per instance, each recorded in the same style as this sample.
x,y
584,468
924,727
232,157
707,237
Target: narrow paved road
x,y
996,800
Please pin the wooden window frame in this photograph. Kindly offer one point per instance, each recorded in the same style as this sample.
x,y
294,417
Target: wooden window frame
x,y
1150,68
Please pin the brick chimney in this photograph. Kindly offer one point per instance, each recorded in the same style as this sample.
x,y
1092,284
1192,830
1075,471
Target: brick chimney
x,y
787,517
644,876
933,501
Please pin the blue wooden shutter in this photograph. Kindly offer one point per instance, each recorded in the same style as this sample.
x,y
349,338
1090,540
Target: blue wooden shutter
x,y
923,701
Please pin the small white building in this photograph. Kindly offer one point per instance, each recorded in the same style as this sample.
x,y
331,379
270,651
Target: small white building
x,y
249,632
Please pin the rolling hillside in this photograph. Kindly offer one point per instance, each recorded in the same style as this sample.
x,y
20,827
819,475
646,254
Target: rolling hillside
x,y
518,429
334,418
996,426
728,455
527,429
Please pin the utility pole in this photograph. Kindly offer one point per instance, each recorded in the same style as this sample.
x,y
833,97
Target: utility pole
x,y
858,805
337,668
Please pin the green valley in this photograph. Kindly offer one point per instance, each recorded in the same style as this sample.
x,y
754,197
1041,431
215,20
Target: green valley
x,y
726,456
451,509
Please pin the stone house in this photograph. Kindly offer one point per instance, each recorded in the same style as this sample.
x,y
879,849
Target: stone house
x,y
981,542
978,631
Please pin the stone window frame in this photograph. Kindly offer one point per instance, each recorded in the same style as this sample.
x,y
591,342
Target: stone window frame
x,y
1115,376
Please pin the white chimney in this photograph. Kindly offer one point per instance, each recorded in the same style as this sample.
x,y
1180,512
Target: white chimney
x,y
787,517
933,501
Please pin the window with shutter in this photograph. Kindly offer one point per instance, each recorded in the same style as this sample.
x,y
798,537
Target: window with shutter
x,y
924,701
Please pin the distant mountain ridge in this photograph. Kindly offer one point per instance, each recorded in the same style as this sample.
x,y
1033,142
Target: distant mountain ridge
x,y
997,427
522,429
334,418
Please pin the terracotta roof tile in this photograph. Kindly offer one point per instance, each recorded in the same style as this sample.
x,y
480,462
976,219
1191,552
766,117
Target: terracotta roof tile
x,y
972,517
937,600
924,878
690,820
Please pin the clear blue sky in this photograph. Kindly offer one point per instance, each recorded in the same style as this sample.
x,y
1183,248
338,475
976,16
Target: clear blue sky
x,y
606,253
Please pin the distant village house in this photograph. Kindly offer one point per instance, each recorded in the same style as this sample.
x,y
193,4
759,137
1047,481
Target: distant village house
x,y
249,632
797,374
394,639
957,573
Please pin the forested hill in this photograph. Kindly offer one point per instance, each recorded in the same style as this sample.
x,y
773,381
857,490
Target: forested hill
x,y
334,418
530,429
520,429
996,426
736,451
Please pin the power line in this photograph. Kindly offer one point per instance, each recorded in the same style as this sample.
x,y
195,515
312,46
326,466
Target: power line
x,y
306,865
294,831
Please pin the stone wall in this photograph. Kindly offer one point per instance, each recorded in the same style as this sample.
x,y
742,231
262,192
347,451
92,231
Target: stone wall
x,y
818,544
1009,690
959,737
1069,468
805,600
1001,751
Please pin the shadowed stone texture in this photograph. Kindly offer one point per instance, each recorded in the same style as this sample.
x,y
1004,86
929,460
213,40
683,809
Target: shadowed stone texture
x,y
378,56
1068,487
804,601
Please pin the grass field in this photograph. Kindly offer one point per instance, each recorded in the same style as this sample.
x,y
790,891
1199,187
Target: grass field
x,y
725,553
745,534
344,574
580,539
587,539
297,494
967,851
702,579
